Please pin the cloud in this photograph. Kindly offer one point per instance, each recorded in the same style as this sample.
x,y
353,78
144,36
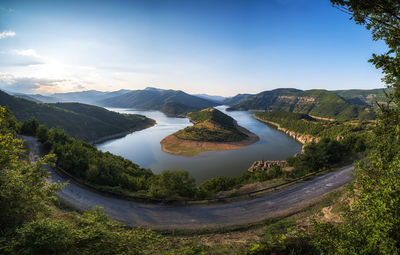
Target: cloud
x,y
13,83
5,34
28,52
23,57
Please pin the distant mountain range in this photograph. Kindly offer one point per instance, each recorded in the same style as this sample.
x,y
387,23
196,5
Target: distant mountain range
x,y
340,104
83,121
87,97
217,99
169,101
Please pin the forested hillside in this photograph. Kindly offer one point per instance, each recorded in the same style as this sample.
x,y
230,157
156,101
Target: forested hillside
x,y
361,96
170,101
236,99
304,124
83,121
211,125
321,103
174,109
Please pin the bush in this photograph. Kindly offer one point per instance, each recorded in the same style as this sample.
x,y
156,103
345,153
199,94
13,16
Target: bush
x,y
175,183
29,127
318,156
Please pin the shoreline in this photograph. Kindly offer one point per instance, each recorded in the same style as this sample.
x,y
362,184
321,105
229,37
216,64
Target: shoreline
x,y
181,147
301,138
119,135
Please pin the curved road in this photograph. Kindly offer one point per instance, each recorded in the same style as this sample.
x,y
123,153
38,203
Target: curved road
x,y
241,212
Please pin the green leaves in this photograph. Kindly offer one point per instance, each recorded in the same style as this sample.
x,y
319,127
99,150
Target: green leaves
x,y
173,184
29,222
91,233
372,221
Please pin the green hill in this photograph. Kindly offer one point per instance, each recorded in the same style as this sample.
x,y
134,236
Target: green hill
x,y
211,125
177,109
361,96
236,99
170,101
86,122
320,103
306,125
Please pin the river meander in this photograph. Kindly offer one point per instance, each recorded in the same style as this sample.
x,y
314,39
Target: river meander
x,y
143,147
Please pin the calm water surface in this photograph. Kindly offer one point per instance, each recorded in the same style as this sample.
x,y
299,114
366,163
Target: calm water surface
x,y
143,147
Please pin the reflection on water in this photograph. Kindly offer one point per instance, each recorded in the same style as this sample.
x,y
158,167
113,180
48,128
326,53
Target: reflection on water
x,y
143,147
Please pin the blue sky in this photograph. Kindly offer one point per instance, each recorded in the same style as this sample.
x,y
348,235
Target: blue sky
x,y
215,47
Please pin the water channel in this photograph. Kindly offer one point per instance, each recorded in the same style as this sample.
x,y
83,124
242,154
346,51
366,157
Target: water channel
x,y
143,147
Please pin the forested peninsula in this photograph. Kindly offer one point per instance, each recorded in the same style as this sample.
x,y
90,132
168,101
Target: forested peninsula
x,y
212,130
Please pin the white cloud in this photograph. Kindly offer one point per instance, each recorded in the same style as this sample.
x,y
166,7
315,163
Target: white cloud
x,y
22,57
19,84
28,52
5,34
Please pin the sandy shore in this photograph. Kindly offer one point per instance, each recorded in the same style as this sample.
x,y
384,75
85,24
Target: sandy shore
x,y
173,145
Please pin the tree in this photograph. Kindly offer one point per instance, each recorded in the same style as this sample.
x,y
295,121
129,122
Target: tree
x,y
177,183
90,233
30,223
382,17
24,192
42,133
372,221
30,126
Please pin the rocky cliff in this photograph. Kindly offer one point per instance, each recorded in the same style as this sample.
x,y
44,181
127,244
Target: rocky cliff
x,y
301,138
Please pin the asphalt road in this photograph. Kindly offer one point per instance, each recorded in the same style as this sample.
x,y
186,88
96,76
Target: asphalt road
x,y
240,212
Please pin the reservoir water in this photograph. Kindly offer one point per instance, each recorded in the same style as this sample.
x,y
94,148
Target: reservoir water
x,y
143,147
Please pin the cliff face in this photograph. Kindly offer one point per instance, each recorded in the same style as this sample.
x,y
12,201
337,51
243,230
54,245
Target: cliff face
x,y
301,138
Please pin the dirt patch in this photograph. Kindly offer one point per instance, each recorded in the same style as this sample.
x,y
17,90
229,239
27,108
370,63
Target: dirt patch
x,y
173,145
251,187
230,238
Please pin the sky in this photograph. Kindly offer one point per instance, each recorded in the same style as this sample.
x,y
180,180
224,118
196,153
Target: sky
x,y
215,47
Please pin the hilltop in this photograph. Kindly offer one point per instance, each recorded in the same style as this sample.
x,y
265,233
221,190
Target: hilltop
x,y
212,130
320,103
86,122
211,125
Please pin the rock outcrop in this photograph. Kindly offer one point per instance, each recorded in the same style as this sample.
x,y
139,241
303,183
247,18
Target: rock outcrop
x,y
265,165
301,138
